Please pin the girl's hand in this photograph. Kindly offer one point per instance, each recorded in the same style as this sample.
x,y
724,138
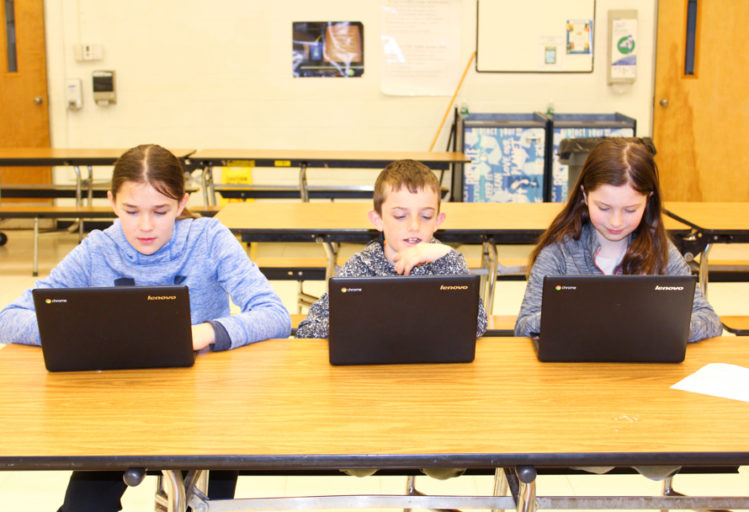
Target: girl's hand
x,y
202,336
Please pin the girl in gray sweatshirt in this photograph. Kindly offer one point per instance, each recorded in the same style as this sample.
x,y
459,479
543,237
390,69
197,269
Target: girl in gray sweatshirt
x,y
611,224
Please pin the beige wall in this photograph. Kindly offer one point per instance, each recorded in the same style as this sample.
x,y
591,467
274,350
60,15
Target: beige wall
x,y
218,74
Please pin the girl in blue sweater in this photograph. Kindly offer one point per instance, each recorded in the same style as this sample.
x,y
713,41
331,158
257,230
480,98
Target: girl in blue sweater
x,y
157,241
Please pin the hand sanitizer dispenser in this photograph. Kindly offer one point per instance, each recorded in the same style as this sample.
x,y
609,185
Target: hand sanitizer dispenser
x,y
73,94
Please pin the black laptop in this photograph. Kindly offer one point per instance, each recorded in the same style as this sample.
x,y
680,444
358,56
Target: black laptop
x,y
114,328
615,318
403,319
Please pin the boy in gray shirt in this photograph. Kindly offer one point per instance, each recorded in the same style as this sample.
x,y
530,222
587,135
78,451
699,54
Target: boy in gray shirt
x,y
407,213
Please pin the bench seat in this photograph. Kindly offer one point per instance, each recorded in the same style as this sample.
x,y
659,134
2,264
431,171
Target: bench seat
x,y
51,191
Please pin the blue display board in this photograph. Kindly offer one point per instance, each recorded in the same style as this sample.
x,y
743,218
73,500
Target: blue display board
x,y
507,164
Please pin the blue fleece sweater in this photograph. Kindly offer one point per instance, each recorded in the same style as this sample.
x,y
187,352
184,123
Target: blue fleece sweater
x,y
202,254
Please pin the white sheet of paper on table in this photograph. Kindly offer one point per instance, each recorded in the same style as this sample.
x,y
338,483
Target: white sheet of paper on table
x,y
718,379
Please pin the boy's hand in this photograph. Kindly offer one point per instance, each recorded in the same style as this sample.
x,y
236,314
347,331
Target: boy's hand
x,y
418,255
202,336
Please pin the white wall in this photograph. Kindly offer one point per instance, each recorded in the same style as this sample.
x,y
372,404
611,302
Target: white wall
x,y
218,74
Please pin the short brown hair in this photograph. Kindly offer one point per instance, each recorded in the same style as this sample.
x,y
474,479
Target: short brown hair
x,y
410,173
155,165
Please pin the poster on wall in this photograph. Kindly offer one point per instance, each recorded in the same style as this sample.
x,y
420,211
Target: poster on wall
x,y
421,47
507,164
623,50
327,49
579,37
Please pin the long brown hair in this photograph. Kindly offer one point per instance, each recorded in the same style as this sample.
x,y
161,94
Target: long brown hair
x,y
155,165
617,161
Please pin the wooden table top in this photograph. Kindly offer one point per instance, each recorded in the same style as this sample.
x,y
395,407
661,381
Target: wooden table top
x,y
713,216
495,219
279,404
353,216
16,157
293,157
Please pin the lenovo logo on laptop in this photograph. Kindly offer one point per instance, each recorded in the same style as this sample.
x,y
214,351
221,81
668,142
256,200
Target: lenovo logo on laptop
x,y
453,287
162,297
668,288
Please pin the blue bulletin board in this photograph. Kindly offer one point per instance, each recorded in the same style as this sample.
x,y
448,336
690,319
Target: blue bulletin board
x,y
507,153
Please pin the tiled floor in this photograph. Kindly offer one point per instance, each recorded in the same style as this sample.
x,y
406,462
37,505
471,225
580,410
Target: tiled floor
x,y
43,491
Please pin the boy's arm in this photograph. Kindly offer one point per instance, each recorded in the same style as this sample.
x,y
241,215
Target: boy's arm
x,y
454,263
483,322
424,252
316,324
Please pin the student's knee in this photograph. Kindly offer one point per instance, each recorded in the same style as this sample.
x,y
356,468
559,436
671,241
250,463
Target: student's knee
x,y
443,473
360,472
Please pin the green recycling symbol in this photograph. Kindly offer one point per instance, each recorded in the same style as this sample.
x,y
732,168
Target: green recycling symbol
x,y
626,44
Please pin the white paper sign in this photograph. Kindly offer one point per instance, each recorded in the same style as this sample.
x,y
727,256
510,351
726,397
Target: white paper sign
x,y
421,47
624,49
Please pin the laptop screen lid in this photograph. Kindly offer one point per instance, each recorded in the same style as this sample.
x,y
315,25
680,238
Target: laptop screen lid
x,y
615,318
403,319
112,328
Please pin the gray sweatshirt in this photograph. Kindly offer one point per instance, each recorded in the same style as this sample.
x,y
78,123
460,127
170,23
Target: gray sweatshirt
x,y
577,257
372,262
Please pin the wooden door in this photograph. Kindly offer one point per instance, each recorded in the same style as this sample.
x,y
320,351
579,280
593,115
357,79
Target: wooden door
x,y
701,121
24,114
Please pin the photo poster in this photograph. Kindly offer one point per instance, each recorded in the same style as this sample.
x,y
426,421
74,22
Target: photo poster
x,y
327,49
421,47
507,164
579,37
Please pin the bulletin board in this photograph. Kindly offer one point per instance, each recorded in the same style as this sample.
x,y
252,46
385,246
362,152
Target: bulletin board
x,y
535,36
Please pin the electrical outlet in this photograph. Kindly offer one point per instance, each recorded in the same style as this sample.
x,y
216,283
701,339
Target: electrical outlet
x,y
88,52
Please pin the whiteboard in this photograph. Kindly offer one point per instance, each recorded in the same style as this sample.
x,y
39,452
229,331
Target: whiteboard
x,y
535,36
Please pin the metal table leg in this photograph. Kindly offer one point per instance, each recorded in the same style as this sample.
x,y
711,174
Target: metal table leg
x,y
331,251
206,181
704,271
489,261
500,485
171,497
35,268
303,188
526,500
78,186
